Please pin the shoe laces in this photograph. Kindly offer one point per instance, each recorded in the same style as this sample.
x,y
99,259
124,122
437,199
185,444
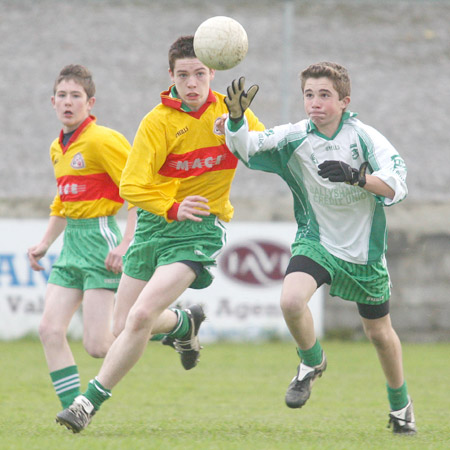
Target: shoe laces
x,y
78,410
187,345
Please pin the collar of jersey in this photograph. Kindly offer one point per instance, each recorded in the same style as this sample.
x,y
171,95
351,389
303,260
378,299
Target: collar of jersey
x,y
170,98
313,129
75,134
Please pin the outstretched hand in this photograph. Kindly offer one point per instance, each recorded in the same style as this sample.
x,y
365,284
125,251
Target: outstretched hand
x,y
237,100
339,171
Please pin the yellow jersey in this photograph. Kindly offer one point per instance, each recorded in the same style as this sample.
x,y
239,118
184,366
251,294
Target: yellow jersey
x,y
176,154
88,170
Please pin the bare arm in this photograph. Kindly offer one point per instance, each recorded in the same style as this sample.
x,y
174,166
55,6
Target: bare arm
x,y
378,187
55,227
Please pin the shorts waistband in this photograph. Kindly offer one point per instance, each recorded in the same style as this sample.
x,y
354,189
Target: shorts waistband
x,y
150,217
93,222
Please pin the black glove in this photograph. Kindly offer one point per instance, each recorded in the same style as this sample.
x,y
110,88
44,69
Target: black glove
x,y
340,171
237,100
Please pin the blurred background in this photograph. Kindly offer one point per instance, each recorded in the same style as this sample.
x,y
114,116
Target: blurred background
x,y
398,55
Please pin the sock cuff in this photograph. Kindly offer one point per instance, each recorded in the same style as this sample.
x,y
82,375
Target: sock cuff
x,y
398,397
311,357
403,386
66,383
181,320
64,372
101,389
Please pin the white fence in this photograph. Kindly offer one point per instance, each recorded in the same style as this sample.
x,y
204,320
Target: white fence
x,y
241,304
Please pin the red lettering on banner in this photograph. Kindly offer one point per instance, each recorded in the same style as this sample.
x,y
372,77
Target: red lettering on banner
x,y
256,262
198,161
78,188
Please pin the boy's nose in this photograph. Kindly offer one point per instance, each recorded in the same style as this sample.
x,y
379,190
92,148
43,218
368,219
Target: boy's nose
x,y
192,81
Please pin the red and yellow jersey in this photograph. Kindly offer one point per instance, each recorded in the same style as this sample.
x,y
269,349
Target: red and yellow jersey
x,y
176,154
88,171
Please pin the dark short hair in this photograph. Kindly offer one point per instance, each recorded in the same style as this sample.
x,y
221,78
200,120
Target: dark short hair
x,y
79,74
183,47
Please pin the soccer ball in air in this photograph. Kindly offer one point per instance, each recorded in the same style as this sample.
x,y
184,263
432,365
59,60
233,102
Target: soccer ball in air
x,y
220,43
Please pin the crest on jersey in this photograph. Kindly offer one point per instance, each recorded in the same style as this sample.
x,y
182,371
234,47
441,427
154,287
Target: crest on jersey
x,y
78,162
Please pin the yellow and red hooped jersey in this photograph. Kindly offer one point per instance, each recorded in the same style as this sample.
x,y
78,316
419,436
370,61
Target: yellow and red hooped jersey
x,y
176,154
88,170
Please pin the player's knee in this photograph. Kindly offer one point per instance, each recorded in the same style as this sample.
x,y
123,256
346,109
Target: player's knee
x,y
138,319
293,303
96,352
50,332
379,336
97,348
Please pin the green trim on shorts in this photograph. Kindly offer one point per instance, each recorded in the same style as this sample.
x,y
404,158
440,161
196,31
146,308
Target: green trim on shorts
x,y
369,284
81,263
158,243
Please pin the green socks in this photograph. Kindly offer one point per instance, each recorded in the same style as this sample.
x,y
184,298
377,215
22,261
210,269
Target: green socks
x,y
398,398
183,324
96,393
181,328
311,357
158,337
67,384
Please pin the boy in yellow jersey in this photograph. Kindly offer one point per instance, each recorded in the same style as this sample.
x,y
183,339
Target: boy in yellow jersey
x,y
88,160
179,174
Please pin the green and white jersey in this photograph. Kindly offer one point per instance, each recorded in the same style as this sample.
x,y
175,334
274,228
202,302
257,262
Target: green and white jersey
x,y
347,220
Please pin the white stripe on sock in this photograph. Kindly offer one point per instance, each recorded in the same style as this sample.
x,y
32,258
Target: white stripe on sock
x,y
68,388
67,379
63,386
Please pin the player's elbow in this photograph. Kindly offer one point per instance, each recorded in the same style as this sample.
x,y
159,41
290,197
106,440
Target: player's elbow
x,y
125,191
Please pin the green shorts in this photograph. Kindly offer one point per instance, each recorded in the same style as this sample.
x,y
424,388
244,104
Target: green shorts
x,y
369,284
158,243
81,263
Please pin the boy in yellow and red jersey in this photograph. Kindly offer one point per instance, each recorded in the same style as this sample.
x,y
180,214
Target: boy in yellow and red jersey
x,y
88,160
179,174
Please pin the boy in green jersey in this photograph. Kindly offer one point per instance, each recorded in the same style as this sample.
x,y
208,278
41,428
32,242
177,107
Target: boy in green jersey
x,y
341,173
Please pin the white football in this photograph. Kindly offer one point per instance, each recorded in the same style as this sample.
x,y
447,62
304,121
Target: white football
x,y
220,43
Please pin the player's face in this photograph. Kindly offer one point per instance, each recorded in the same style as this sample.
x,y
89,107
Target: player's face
x,y
192,80
71,104
322,105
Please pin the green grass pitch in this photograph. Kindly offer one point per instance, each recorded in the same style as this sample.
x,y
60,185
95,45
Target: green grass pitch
x,y
234,399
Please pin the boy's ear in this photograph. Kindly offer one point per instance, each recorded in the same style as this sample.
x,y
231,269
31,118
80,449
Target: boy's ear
x,y
91,102
346,101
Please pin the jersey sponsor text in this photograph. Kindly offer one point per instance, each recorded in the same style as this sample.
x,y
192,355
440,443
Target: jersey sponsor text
x,y
198,161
